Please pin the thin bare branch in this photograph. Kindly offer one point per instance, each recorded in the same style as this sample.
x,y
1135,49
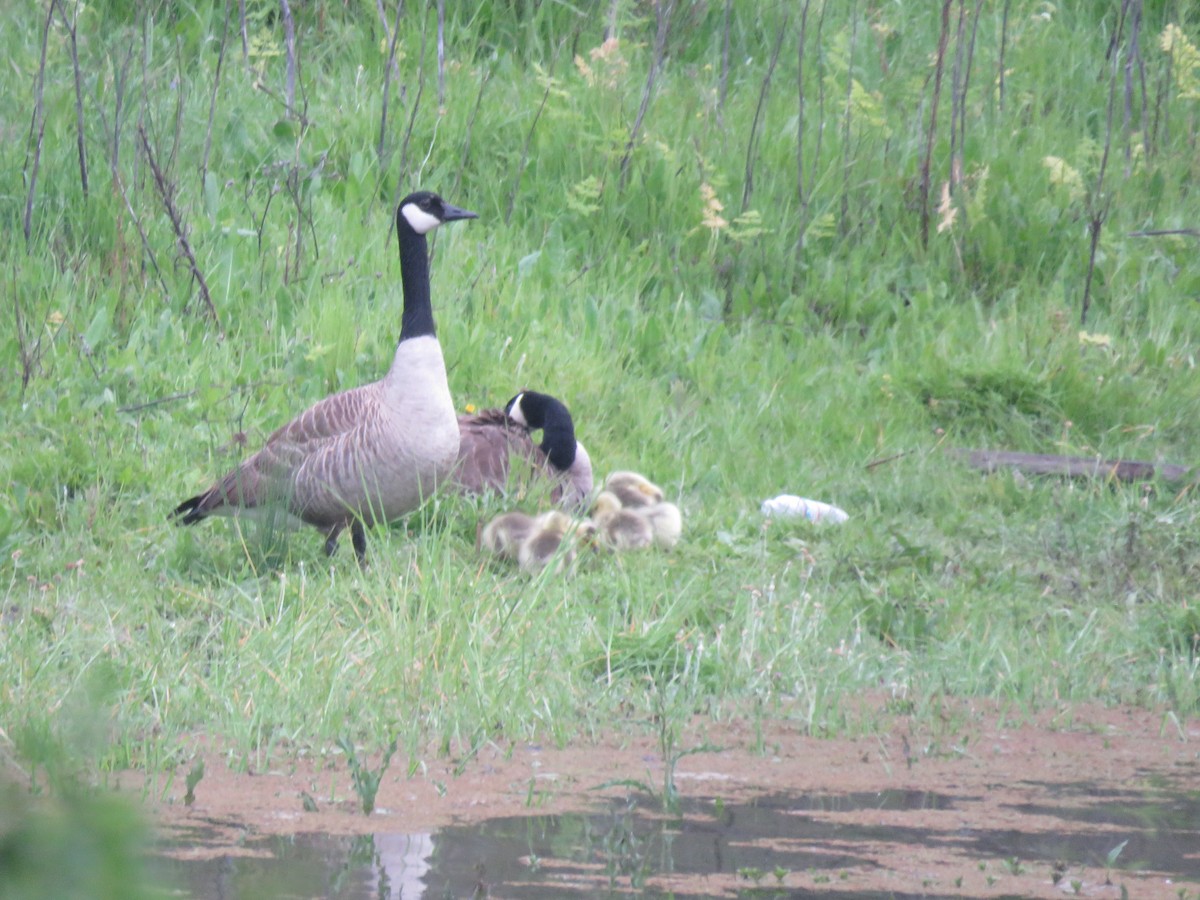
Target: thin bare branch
x,y
120,80
966,83
80,143
166,194
1098,201
1134,61
957,98
943,37
245,36
413,111
847,118
820,128
137,223
512,195
212,100
30,356
755,125
1165,232
387,31
1003,47
441,52
466,147
381,150
37,128
182,85
611,28
662,11
801,196
289,42
723,83
143,115
1162,106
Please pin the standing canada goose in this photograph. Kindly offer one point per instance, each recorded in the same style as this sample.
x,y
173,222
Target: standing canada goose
x,y
633,490
369,454
489,439
620,528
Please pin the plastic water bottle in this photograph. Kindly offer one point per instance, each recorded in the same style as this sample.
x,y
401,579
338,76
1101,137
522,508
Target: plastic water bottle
x,y
787,506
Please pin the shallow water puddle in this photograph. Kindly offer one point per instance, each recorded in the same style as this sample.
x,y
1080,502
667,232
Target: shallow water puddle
x,y
1063,842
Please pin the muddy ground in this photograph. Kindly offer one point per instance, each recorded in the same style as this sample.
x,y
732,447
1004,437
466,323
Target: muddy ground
x,y
995,776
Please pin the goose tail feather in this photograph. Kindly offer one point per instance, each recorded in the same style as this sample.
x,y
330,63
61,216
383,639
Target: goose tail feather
x,y
191,510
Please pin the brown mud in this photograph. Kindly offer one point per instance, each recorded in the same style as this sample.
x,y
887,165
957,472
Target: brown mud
x,y
991,785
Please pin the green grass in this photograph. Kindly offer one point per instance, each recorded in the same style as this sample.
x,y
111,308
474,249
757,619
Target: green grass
x,y
815,345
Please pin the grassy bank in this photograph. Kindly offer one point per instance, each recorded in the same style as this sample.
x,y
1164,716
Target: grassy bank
x,y
750,287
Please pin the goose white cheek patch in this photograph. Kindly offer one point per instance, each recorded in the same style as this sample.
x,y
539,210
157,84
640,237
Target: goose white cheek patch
x,y
421,221
516,413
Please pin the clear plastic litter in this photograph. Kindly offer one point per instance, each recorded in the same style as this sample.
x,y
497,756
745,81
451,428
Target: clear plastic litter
x,y
789,506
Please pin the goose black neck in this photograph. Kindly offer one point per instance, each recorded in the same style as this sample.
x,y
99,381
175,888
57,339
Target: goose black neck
x,y
558,430
417,320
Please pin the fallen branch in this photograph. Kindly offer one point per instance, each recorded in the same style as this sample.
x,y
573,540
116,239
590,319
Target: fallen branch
x,y
1162,232
1074,466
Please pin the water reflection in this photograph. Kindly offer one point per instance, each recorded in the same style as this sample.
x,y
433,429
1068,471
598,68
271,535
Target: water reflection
x,y
627,846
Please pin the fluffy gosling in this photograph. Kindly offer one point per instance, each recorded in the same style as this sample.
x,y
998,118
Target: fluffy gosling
x,y
504,535
550,531
665,521
633,490
619,528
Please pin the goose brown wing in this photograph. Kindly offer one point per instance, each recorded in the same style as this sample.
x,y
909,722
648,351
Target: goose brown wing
x,y
324,422
267,476
487,439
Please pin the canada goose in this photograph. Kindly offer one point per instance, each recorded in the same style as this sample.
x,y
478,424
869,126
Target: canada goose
x,y
665,521
620,528
489,439
633,490
504,535
551,529
369,454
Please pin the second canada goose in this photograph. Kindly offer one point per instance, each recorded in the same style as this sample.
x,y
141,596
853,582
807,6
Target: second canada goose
x,y
369,454
490,439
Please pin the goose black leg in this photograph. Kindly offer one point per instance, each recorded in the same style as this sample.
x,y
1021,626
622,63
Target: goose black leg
x,y
331,539
358,535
